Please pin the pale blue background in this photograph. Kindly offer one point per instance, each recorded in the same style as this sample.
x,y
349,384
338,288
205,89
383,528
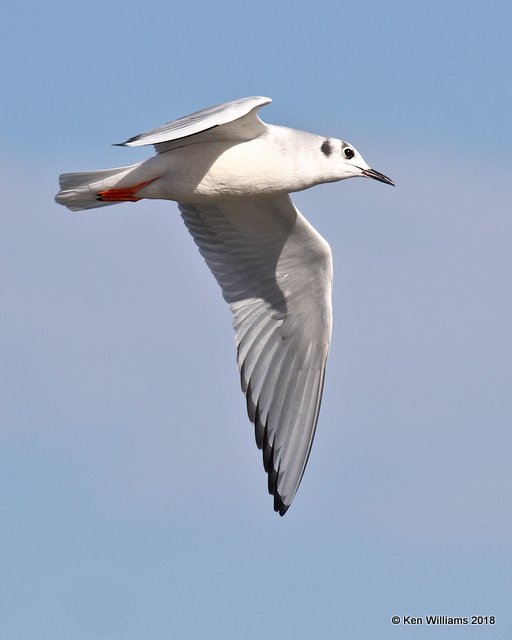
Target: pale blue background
x,y
133,500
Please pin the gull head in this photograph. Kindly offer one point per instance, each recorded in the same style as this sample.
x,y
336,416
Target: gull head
x,y
347,162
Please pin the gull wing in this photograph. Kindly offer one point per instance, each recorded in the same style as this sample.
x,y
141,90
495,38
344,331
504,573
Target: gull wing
x,y
236,120
275,272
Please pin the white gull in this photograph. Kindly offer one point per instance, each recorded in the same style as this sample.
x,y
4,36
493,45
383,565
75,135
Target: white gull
x,y
231,175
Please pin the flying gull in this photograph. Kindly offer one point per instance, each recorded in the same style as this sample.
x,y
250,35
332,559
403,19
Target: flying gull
x,y
231,175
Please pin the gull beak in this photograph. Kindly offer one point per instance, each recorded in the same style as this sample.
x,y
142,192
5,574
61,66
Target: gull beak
x,y
371,173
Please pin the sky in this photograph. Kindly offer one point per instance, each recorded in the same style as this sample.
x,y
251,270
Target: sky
x,y
133,498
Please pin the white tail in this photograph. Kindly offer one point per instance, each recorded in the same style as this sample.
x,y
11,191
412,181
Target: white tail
x,y
80,190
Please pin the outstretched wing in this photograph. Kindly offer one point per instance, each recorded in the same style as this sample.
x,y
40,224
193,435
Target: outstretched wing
x,y
236,120
275,272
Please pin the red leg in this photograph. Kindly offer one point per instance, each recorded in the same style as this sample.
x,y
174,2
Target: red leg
x,y
123,194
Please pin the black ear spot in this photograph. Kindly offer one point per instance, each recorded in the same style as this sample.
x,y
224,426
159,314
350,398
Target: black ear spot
x,y
326,147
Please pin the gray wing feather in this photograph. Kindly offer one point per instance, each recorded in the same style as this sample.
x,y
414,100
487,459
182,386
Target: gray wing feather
x,y
275,272
236,120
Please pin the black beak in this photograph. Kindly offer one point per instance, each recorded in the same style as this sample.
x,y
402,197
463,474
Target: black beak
x,y
371,173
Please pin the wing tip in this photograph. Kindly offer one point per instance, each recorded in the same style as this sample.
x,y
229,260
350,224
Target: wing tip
x,y
131,142
279,506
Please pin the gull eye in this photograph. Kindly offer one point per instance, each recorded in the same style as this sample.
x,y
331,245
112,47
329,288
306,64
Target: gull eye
x,y
348,153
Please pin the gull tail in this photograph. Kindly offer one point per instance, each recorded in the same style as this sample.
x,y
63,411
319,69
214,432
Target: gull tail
x,y
92,189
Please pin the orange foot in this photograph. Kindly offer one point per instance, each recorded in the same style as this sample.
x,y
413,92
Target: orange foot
x,y
123,194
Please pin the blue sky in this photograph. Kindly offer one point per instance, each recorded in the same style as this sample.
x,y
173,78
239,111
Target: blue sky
x,y
133,498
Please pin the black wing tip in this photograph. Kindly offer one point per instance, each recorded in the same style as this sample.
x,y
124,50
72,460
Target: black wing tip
x,y
126,142
262,441
273,475
279,506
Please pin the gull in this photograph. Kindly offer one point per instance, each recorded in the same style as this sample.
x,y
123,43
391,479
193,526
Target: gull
x,y
231,175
